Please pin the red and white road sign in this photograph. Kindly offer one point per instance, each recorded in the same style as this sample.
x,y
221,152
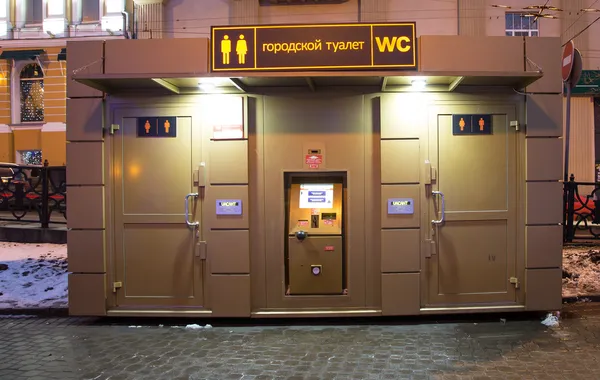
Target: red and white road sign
x,y
567,60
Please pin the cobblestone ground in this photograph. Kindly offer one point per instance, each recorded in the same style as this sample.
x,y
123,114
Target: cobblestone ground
x,y
73,348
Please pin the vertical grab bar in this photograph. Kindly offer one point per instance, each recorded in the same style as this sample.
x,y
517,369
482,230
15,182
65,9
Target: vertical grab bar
x,y
441,220
187,210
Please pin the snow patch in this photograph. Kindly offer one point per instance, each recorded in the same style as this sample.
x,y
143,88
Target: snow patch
x,y
196,327
33,275
550,321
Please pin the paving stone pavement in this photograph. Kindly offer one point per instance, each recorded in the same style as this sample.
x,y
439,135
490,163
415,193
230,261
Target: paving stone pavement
x,y
79,348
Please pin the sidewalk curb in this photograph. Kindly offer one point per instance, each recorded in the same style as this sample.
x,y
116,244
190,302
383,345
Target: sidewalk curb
x,y
39,312
64,312
580,299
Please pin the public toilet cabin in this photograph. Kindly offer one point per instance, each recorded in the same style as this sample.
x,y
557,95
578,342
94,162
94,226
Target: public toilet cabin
x,y
300,173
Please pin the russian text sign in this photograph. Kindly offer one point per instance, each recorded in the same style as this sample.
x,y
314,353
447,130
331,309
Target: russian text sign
x,y
314,47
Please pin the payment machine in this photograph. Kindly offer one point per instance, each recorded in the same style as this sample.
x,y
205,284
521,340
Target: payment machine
x,y
315,244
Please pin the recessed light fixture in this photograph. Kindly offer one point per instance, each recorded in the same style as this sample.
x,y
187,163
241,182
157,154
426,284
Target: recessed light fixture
x,y
590,10
418,83
206,86
501,6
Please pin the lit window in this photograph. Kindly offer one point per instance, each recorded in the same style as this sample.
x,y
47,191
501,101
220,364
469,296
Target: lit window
x,y
113,6
90,10
32,93
34,11
55,7
517,24
29,157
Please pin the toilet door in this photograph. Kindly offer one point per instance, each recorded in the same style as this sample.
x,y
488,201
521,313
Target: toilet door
x,y
155,209
473,207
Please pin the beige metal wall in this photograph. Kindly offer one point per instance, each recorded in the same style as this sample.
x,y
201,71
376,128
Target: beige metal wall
x,y
379,139
87,237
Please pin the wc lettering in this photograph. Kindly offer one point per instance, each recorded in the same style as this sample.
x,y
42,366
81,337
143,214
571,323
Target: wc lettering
x,y
402,44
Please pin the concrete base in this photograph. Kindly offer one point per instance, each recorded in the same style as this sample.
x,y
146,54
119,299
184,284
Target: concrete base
x,y
32,233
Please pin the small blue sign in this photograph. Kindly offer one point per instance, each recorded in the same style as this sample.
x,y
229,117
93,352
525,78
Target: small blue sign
x,y
400,206
316,193
229,207
157,127
316,200
471,124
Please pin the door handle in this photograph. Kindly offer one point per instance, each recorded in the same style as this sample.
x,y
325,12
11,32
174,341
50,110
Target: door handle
x,y
187,210
441,220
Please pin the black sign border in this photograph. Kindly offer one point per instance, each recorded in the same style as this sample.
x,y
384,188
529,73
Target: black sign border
x,y
414,66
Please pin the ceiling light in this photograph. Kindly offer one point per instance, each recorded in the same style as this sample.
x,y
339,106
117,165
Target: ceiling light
x,y
418,84
206,86
501,6
590,10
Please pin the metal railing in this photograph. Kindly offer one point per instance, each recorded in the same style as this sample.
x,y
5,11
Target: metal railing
x,y
581,213
33,194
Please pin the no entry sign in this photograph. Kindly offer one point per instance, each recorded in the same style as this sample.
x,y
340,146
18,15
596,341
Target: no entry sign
x,y
567,61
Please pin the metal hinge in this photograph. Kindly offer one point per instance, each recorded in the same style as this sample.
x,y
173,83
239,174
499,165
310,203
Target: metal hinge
x,y
117,285
201,250
515,282
113,128
430,248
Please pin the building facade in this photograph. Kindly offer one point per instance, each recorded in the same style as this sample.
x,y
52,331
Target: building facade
x,y
33,39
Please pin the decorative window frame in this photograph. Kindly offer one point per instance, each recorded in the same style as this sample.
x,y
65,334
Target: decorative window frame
x,y
15,92
78,12
27,24
531,32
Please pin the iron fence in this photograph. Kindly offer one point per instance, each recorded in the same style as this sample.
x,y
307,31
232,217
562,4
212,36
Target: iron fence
x,y
581,212
33,194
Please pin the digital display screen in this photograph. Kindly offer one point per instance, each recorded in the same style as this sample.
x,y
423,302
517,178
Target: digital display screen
x,y
316,195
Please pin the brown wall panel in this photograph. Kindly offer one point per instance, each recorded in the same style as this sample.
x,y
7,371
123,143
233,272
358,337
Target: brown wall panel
x,y
230,295
86,58
185,56
226,221
228,162
87,294
85,162
400,161
544,115
403,115
544,246
84,119
543,289
456,53
229,251
86,251
400,250
400,191
544,203
400,294
544,159
86,207
546,52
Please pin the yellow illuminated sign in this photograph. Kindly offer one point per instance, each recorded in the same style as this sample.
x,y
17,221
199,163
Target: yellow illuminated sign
x,y
400,203
314,47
